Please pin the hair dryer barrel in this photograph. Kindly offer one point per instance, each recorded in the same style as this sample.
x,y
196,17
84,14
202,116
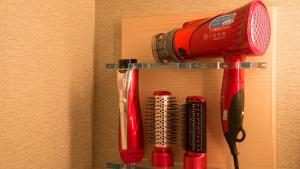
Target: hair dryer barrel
x,y
243,31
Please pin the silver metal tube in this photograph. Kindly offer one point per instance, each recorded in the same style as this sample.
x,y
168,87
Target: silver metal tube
x,y
123,80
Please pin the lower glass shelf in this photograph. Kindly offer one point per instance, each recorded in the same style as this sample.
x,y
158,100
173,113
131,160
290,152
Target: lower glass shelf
x,y
189,65
143,165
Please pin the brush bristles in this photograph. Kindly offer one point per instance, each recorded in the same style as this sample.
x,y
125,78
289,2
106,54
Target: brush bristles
x,y
161,120
194,127
183,128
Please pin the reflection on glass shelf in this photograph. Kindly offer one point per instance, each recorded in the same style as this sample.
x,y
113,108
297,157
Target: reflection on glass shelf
x,y
144,165
189,65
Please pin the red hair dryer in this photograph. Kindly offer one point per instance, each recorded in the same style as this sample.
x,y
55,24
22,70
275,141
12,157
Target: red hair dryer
x,y
232,35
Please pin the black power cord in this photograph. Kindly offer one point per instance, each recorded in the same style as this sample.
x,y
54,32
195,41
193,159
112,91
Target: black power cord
x,y
236,162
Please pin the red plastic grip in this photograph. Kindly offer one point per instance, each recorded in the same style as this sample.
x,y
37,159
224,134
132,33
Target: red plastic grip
x,y
162,157
195,160
233,83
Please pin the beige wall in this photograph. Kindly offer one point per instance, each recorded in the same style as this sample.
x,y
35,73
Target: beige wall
x,y
46,81
108,47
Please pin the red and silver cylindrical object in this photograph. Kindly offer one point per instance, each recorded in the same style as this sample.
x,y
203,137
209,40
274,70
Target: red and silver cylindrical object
x,y
131,136
162,115
232,35
195,133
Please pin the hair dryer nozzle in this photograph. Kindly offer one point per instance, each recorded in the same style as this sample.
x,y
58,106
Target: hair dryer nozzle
x,y
162,48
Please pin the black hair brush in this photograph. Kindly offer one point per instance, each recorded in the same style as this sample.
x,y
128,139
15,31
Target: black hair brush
x,y
194,131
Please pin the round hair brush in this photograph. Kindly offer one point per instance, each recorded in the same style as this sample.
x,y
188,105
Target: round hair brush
x,y
162,127
195,133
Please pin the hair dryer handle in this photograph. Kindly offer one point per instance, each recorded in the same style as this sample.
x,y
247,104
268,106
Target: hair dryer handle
x,y
232,103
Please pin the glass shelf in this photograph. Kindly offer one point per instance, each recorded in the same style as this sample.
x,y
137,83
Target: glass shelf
x,y
190,65
139,166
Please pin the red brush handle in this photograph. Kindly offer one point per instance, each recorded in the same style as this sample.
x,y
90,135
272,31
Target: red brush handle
x,y
195,160
162,157
232,102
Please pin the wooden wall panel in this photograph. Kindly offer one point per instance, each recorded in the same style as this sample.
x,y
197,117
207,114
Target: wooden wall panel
x,y
258,150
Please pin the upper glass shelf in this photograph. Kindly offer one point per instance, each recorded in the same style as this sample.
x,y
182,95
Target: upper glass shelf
x,y
190,65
